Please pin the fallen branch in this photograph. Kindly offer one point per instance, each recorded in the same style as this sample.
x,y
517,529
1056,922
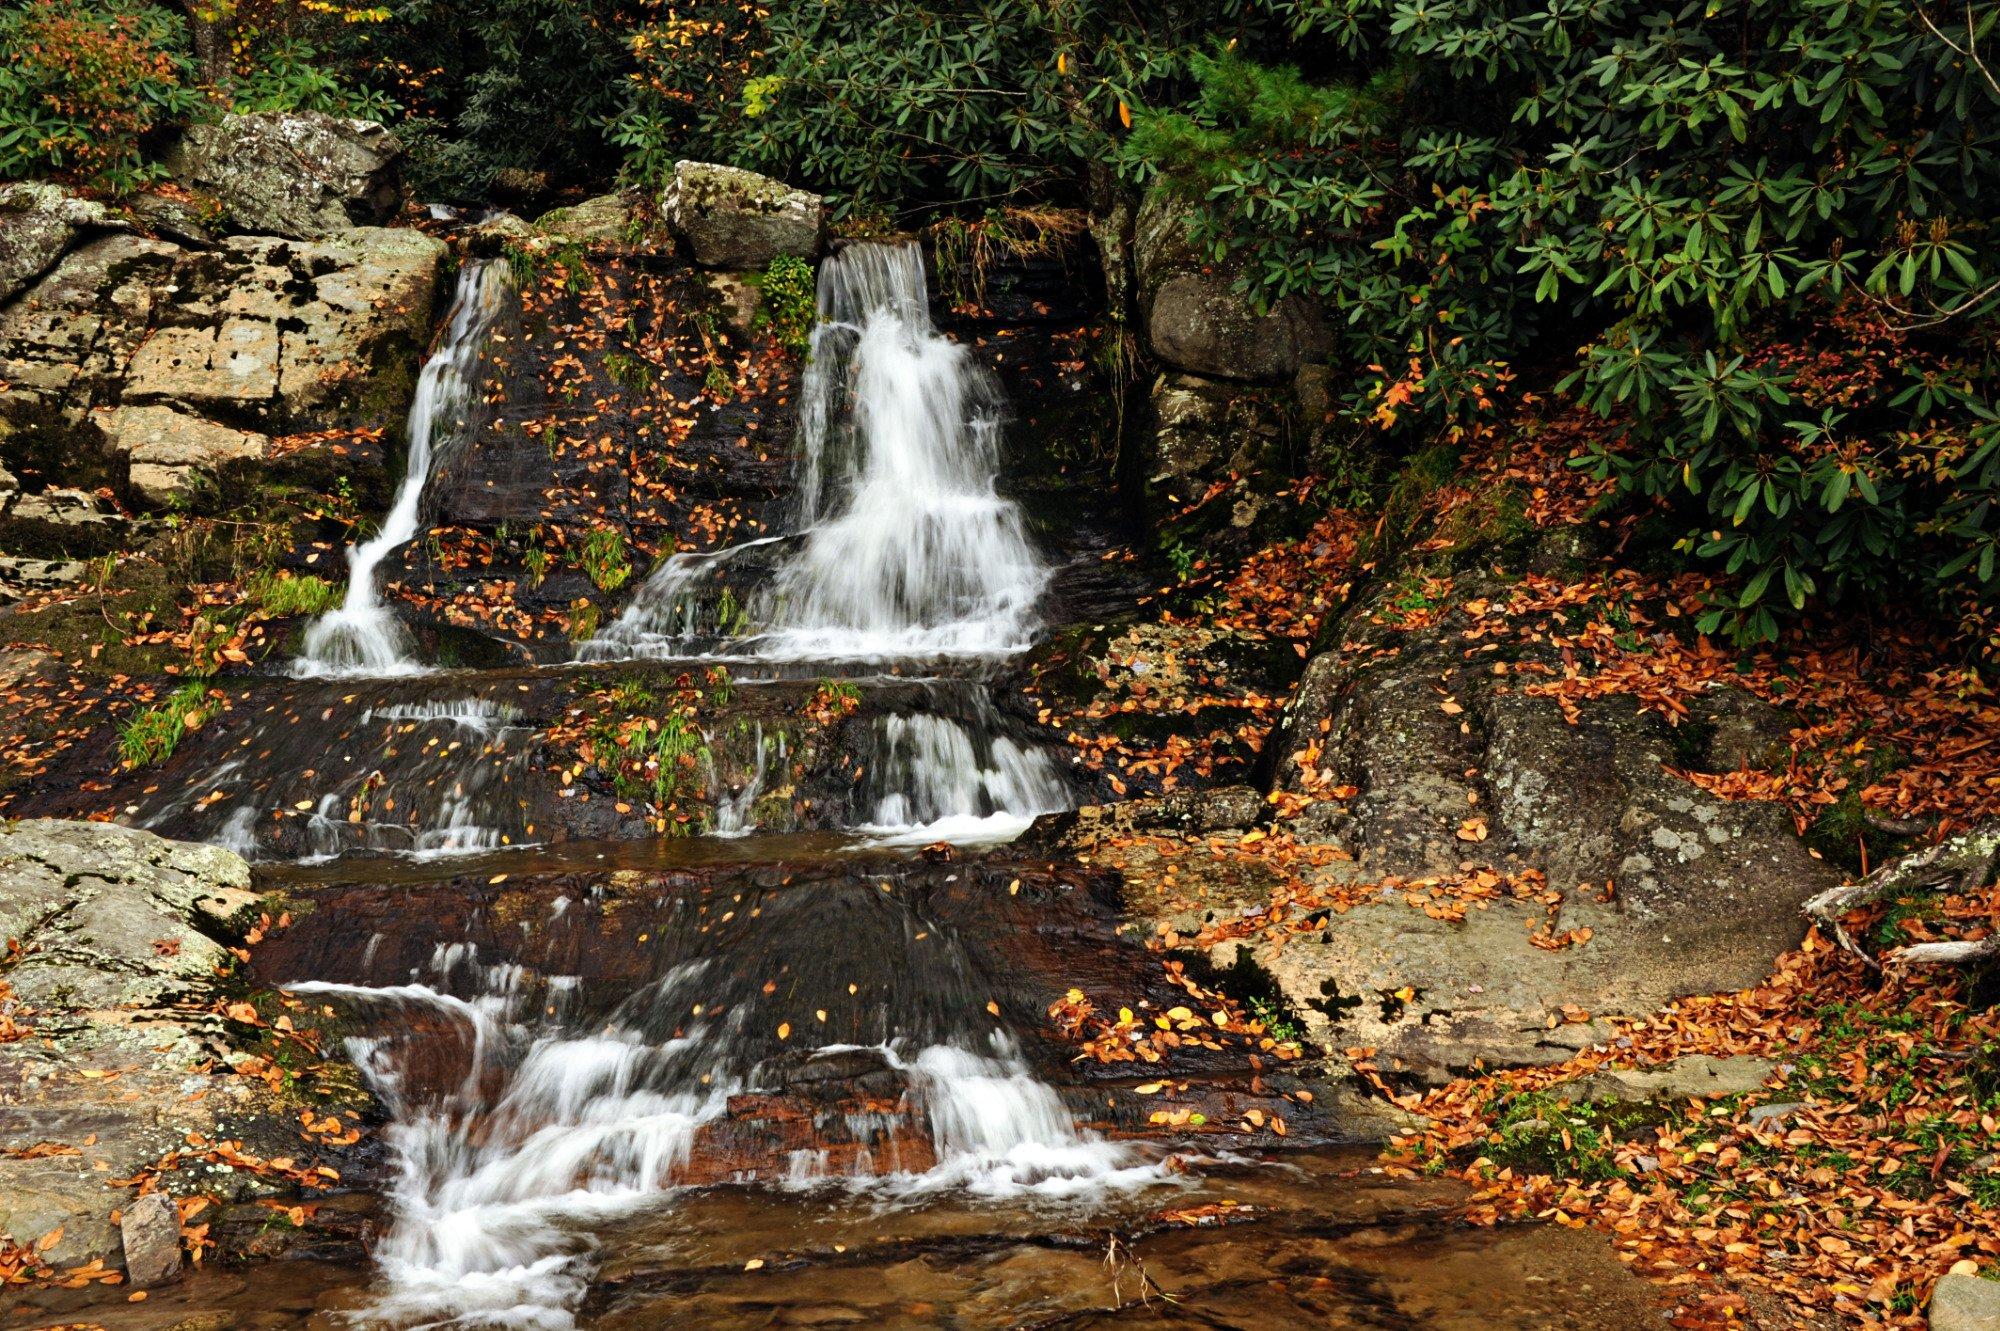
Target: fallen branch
x,y
1963,863
1946,954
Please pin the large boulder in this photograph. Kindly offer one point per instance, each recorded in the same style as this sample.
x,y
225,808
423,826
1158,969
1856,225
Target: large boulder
x,y
37,224
1570,872
730,218
302,175
1196,320
162,361
622,219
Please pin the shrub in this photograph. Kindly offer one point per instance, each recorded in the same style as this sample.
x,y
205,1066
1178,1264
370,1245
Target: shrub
x,y
84,83
287,75
790,307
1766,223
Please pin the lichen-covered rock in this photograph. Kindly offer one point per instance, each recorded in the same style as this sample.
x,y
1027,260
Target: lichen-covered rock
x,y
113,918
623,219
37,223
302,175
1651,888
730,218
1196,320
162,361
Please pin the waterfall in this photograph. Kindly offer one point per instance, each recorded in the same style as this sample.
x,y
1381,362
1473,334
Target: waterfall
x,y
363,637
903,548
521,1121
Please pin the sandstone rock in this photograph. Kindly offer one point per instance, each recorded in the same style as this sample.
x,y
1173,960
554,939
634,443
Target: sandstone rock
x,y
150,1232
1965,1303
219,348
302,174
1194,318
59,1196
1681,893
737,219
165,445
37,223
623,219
61,523
111,917
21,575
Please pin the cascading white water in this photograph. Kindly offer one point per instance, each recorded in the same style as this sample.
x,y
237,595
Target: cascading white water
x,y
557,1125
905,549
363,636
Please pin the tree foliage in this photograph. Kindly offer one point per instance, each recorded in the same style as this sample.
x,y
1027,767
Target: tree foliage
x,y
84,84
1767,225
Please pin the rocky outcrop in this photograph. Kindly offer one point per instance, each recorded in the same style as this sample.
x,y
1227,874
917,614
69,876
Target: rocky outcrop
x,y
301,175
1613,884
164,361
1196,320
730,218
37,224
134,1043
1211,461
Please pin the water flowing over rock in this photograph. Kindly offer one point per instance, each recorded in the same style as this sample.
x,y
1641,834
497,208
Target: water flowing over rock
x,y
363,637
301,174
903,546
731,218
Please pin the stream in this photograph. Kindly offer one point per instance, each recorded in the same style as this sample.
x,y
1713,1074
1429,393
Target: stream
x,y
796,1068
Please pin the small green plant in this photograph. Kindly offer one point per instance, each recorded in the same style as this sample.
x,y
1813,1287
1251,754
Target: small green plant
x,y
605,559
1181,559
583,619
628,371
1278,1023
536,561
151,736
283,595
790,307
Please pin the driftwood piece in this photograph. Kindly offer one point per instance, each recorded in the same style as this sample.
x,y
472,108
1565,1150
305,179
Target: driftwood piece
x,y
1961,863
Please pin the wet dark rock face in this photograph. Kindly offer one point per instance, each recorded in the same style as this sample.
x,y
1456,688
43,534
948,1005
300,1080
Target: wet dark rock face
x,y
954,951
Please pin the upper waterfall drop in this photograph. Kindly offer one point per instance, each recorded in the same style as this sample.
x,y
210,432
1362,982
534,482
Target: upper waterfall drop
x,y
363,637
904,548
